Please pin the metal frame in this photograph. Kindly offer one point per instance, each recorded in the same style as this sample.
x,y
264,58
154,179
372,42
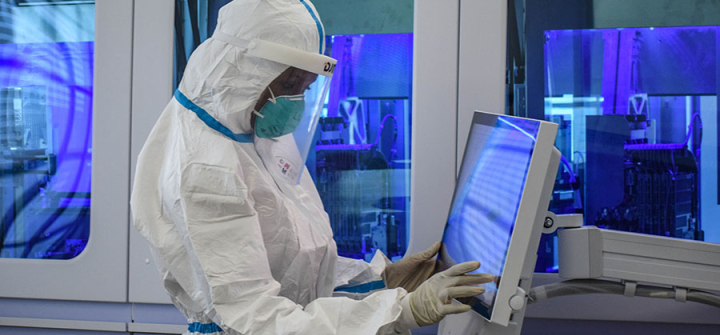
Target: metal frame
x,y
459,67
152,89
456,72
520,263
434,142
591,252
481,70
521,256
99,273
528,226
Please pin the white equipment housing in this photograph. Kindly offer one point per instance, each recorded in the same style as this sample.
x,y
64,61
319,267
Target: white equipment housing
x,y
593,253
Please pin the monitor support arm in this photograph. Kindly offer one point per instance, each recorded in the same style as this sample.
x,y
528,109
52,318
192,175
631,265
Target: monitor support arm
x,y
595,260
553,222
593,253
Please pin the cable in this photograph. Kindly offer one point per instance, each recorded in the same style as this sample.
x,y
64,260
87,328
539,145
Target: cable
x,y
382,125
593,286
569,168
393,150
690,127
704,298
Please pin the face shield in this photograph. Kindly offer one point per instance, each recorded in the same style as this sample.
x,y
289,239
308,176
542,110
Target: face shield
x,y
291,106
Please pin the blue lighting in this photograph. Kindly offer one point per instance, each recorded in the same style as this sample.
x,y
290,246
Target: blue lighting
x,y
47,90
637,109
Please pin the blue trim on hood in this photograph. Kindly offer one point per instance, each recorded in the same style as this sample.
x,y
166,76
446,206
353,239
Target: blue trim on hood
x,y
321,32
210,121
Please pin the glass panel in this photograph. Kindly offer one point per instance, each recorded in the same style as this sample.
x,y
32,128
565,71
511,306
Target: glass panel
x,y
361,158
46,87
631,104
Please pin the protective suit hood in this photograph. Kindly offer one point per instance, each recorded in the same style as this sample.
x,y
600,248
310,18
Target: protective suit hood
x,y
226,82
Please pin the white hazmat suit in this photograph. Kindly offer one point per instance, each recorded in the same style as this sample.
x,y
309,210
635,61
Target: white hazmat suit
x,y
238,254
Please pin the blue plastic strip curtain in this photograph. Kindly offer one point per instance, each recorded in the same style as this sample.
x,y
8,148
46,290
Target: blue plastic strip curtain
x,y
192,23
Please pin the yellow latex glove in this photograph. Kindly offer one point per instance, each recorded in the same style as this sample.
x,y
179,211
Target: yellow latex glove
x,y
432,300
412,270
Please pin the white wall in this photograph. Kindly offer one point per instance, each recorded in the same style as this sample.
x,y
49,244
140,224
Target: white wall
x,y
434,125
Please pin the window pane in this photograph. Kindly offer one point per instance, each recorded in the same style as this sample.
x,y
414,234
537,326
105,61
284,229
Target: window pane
x,y
46,87
637,109
362,158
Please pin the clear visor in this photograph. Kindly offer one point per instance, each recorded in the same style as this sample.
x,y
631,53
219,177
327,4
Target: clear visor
x,y
315,98
299,96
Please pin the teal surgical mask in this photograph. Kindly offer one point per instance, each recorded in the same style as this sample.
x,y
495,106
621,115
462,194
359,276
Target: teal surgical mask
x,y
280,115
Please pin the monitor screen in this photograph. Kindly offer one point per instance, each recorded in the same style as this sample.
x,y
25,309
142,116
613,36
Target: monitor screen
x,y
487,197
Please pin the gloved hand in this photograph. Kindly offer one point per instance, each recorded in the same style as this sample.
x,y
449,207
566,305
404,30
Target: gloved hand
x,y
432,300
412,270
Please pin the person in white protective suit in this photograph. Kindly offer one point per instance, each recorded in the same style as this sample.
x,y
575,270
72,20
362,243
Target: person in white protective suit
x,y
237,229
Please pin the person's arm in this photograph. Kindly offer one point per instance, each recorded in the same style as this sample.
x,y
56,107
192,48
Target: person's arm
x,y
221,263
408,272
354,278
351,272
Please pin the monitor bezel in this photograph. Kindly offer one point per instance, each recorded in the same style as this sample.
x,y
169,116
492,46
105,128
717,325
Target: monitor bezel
x,y
530,216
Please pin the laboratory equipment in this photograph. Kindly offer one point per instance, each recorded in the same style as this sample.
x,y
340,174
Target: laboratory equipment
x,y
45,149
499,208
631,104
594,253
361,160
646,188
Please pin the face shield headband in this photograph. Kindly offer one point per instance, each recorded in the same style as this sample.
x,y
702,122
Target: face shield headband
x,y
308,61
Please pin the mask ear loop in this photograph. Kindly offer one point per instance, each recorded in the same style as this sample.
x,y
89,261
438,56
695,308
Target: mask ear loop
x,y
271,99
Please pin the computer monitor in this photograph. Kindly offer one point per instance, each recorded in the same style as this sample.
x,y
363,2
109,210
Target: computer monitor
x,y
499,206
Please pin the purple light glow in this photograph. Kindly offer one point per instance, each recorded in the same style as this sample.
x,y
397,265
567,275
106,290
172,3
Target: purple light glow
x,y
65,70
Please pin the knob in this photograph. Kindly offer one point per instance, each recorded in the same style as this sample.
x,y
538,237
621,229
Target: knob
x,y
517,301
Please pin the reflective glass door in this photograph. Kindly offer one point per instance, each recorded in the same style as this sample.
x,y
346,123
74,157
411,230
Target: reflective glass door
x,y
46,95
361,163
637,109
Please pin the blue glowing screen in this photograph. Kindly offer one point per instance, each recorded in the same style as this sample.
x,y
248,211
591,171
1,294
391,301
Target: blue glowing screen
x,y
487,198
